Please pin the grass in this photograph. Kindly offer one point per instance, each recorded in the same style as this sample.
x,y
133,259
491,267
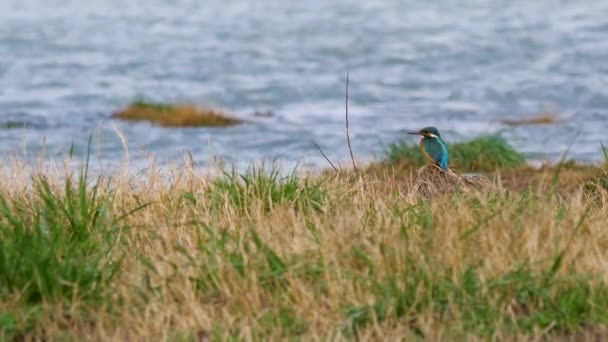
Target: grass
x,y
482,306
168,115
56,247
273,255
482,154
266,188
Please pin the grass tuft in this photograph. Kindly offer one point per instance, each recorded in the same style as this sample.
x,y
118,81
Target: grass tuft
x,y
267,188
53,245
596,189
168,115
56,247
482,154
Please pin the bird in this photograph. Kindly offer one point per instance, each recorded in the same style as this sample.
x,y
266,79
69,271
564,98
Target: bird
x,y
432,146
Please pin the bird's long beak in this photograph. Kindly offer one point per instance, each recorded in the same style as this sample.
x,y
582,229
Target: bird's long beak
x,y
414,133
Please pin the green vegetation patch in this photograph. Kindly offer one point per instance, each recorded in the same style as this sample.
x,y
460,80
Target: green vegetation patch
x,y
267,188
58,245
168,115
55,248
486,153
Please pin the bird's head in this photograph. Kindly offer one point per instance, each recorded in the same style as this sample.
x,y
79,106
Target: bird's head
x,y
428,132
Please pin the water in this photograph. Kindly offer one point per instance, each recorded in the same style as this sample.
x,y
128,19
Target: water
x,y
66,66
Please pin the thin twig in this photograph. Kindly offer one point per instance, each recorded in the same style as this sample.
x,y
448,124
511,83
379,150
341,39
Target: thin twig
x,y
324,156
350,149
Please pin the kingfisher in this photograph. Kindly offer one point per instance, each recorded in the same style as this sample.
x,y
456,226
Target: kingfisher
x,y
432,147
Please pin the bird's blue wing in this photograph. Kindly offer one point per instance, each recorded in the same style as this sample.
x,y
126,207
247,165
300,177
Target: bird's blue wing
x,y
443,162
437,151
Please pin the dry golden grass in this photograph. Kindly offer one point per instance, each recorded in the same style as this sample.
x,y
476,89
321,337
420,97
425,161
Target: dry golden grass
x,y
176,115
540,119
432,181
327,257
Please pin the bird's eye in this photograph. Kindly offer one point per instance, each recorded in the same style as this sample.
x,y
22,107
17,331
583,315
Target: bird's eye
x,y
424,132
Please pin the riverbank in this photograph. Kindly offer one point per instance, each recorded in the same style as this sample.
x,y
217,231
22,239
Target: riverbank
x,y
176,255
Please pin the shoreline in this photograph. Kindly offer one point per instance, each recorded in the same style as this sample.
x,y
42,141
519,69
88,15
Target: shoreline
x,y
273,254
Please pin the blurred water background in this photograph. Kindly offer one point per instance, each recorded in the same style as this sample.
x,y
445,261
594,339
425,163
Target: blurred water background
x,y
67,65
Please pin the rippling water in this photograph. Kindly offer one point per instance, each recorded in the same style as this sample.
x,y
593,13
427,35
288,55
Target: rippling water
x,y
66,66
